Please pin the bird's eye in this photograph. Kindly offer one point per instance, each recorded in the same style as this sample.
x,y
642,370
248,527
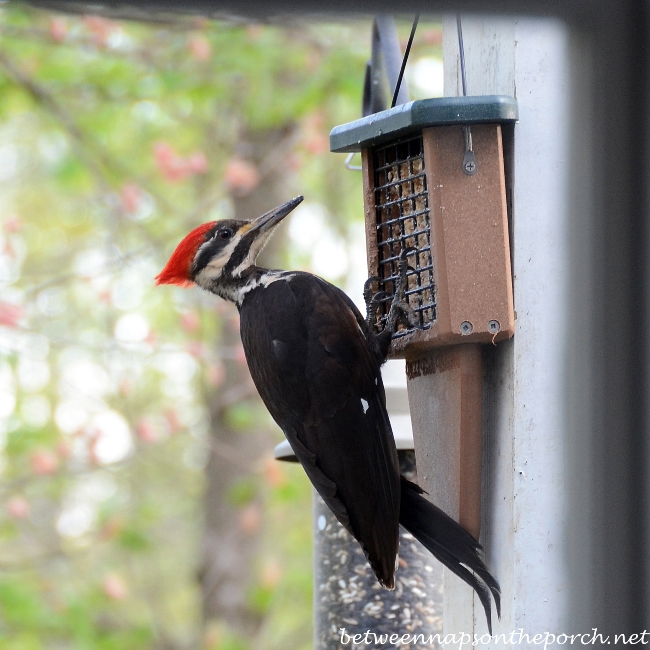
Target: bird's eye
x,y
225,233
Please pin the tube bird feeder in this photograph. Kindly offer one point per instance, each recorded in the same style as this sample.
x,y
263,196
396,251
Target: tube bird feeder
x,y
434,183
348,600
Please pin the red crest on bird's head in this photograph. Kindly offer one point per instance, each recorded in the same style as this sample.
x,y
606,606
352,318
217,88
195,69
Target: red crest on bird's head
x,y
177,269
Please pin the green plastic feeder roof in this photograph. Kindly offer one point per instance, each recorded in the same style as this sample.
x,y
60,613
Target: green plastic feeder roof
x,y
405,119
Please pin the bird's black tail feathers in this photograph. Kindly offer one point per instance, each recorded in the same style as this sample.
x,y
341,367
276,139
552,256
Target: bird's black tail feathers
x,y
450,543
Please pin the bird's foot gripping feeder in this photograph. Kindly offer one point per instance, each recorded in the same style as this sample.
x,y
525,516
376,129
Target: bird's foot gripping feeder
x,y
435,184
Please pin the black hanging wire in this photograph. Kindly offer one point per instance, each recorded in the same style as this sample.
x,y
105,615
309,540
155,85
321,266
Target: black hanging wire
x,y
404,60
461,49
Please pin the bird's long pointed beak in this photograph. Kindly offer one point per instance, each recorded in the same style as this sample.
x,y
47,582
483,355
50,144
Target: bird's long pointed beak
x,y
273,217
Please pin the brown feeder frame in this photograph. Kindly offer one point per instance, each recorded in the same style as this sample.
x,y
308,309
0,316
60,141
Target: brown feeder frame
x,y
421,191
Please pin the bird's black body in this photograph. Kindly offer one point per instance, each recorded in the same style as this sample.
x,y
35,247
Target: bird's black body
x,y
311,357
316,364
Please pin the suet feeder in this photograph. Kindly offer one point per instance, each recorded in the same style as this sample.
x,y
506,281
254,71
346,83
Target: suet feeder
x,y
435,183
428,189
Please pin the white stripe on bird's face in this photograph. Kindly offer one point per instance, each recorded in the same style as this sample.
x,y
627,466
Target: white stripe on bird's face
x,y
213,270
255,249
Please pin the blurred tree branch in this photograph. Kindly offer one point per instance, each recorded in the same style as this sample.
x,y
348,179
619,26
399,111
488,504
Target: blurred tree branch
x,y
89,152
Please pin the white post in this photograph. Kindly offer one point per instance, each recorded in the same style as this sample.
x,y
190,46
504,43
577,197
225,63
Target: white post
x,y
524,526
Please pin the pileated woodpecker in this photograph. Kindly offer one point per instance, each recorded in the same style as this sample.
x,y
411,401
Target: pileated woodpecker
x,y
316,364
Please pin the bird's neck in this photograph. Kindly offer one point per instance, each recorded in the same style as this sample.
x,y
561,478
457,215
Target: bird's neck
x,y
235,289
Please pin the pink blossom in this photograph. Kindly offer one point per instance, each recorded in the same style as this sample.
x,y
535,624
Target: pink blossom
x,y
176,168
44,462
294,162
190,321
216,375
317,143
125,386
200,47
63,449
240,355
196,349
271,574
173,422
315,138
58,29
100,28
241,176
250,519
111,528
273,472
433,37
198,163
18,508
146,431
12,224
114,587
173,167
200,22
10,314
131,197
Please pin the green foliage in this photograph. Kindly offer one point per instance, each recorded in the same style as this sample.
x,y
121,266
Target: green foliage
x,y
134,540
115,139
243,491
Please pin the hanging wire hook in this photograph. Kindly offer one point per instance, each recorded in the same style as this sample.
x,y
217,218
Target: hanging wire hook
x,y
348,161
469,166
404,60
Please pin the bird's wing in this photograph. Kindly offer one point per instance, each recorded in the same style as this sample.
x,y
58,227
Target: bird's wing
x,y
308,351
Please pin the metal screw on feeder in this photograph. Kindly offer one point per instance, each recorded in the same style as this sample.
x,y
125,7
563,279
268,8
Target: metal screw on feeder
x,y
470,166
469,163
494,326
466,328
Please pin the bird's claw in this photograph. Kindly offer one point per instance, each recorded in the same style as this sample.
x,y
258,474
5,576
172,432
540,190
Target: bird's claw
x,y
372,308
367,289
373,302
400,309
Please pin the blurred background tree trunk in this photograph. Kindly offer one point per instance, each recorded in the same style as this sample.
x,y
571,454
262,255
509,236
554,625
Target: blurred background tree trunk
x,y
233,521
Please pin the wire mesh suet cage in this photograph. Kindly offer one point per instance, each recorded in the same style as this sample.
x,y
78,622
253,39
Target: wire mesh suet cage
x,y
434,184
403,221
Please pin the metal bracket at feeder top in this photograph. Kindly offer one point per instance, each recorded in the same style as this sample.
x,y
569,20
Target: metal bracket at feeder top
x,y
406,119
